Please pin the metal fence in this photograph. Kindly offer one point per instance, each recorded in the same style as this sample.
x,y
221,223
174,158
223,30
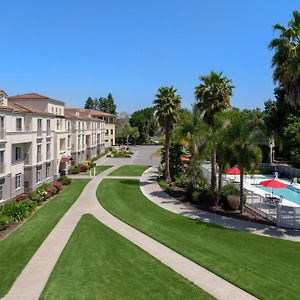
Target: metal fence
x,y
281,215
284,169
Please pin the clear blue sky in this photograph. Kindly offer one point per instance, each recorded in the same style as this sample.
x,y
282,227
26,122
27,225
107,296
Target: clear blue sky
x,y
71,49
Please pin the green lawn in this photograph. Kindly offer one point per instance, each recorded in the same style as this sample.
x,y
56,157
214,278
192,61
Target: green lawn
x,y
98,263
267,268
18,248
99,169
129,170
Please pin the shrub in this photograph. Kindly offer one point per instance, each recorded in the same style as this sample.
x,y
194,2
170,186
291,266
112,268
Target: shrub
x,y
16,211
4,221
43,192
58,186
34,196
65,180
108,155
298,180
84,166
163,184
229,189
74,170
207,196
182,180
21,197
29,205
196,196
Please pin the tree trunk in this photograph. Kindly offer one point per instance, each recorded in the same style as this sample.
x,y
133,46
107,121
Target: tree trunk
x,y
127,141
242,190
213,179
167,158
219,185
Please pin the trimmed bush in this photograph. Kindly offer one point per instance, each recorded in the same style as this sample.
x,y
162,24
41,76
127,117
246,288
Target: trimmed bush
x,y
229,189
74,170
34,196
65,180
84,166
21,197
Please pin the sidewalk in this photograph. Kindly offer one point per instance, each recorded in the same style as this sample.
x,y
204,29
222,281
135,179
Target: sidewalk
x,y
31,282
153,192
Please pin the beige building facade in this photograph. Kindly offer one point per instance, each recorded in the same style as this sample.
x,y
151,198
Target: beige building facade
x,y
40,139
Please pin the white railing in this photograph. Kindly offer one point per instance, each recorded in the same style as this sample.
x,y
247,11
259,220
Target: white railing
x,y
281,215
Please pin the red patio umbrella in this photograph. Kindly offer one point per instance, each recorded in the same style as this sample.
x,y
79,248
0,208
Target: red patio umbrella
x,y
233,171
274,184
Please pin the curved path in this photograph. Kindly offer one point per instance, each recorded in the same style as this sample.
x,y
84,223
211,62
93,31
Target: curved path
x,y
32,280
154,192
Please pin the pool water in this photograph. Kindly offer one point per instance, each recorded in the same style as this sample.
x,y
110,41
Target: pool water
x,y
289,193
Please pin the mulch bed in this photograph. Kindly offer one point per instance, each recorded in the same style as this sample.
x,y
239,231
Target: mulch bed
x,y
248,214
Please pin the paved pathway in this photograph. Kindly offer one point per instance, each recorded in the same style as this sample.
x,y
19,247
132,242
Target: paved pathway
x,y
153,191
32,280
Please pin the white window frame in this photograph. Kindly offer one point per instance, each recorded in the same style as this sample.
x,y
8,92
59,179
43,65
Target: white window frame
x,y
18,181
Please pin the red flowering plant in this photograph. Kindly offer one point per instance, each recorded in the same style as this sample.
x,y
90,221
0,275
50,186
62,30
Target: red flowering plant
x,y
58,186
21,197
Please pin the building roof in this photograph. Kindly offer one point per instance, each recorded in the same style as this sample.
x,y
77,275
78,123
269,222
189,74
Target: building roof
x,y
3,93
16,107
91,112
72,115
35,97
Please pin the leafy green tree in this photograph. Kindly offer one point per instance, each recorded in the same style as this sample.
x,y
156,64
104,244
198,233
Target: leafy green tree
x,y
107,104
135,134
167,104
144,120
240,135
292,136
213,96
286,58
90,103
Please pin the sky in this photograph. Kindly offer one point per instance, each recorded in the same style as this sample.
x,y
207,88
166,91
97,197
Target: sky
x,y
72,49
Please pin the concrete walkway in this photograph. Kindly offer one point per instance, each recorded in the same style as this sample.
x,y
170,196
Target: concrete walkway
x,y
153,191
31,282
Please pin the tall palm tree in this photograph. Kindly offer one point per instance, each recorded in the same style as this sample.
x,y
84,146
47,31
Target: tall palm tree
x,y
286,58
213,96
167,105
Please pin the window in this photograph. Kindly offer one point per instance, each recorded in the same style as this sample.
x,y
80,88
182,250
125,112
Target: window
x,y
1,191
106,132
1,161
57,124
18,124
48,151
39,153
53,109
48,127
56,110
2,128
39,127
79,139
69,141
18,154
62,145
82,142
47,170
38,174
111,131
18,181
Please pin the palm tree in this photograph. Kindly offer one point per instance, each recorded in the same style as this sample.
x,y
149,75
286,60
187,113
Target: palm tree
x,y
167,105
213,96
240,134
286,58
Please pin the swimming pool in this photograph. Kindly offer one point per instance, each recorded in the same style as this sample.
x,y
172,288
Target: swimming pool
x,y
289,193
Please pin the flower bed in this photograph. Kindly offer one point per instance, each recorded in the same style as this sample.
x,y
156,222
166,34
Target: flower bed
x,y
120,154
23,205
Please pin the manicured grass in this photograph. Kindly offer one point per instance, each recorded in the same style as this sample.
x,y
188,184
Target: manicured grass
x,y
18,248
268,268
98,263
99,169
129,170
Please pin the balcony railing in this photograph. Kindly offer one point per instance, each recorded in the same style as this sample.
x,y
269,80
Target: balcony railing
x,y
1,167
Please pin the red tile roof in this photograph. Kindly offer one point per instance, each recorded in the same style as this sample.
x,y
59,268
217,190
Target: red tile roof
x,y
35,97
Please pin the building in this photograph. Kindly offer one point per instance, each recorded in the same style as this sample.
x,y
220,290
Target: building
x,y
40,138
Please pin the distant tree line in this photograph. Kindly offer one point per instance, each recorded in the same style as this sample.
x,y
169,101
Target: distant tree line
x,y
105,104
